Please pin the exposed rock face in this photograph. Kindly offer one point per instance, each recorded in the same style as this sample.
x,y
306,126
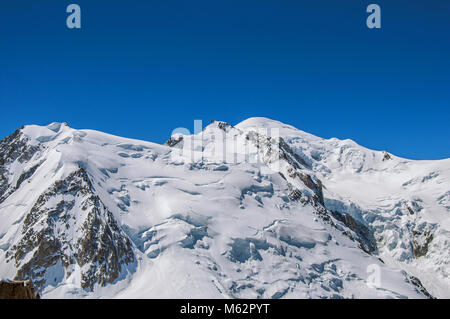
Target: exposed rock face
x,y
69,229
416,282
421,239
316,187
364,235
14,148
174,140
17,290
386,156
292,157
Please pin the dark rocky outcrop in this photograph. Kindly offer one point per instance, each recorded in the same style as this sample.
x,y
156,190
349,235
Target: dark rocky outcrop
x,y
222,125
416,282
78,229
26,175
420,242
386,156
364,236
290,156
174,140
14,148
17,290
315,186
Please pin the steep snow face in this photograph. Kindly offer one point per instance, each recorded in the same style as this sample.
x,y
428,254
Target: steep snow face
x,y
230,212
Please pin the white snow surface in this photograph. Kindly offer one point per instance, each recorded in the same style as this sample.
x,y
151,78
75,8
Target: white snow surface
x,y
204,227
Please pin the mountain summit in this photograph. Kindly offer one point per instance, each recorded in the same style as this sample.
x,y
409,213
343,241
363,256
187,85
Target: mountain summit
x,y
256,210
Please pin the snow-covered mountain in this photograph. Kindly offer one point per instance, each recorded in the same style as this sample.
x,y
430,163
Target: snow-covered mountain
x,y
256,210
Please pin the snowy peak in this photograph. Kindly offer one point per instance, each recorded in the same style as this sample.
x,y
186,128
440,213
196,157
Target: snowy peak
x,y
256,210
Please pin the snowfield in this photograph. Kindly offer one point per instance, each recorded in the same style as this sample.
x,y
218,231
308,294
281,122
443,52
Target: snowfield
x,y
256,210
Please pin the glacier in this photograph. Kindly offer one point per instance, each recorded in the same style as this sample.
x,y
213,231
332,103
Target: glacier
x,y
255,210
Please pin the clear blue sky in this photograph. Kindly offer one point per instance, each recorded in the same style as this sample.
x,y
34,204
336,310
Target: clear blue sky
x,y
142,68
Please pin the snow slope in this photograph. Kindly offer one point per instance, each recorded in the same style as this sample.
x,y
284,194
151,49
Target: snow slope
x,y
259,210
400,200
